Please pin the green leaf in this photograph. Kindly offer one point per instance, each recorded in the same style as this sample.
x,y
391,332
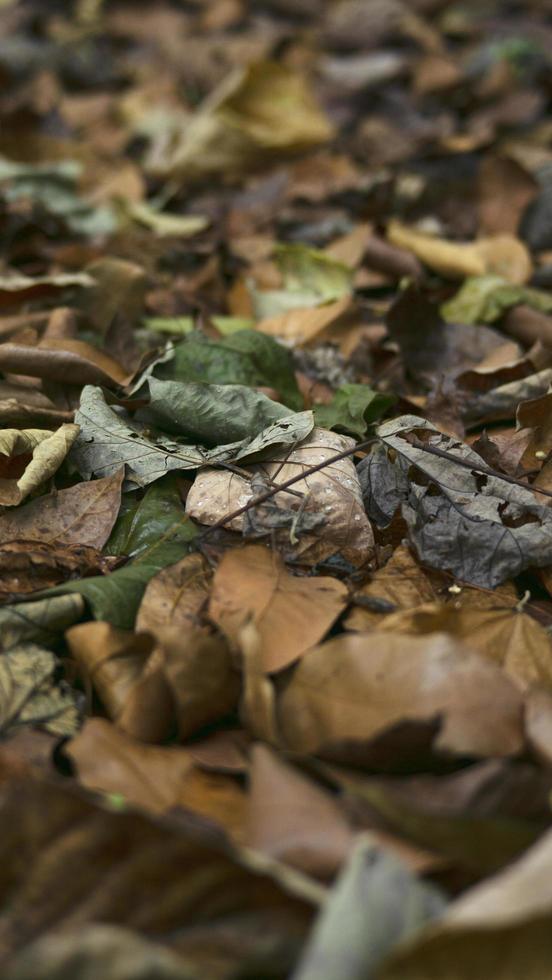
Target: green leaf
x,y
352,409
483,299
108,438
376,903
310,277
155,532
245,357
210,414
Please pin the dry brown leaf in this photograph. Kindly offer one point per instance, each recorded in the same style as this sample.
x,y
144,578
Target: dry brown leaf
x,y
29,566
402,584
538,724
333,493
81,515
505,189
502,255
175,596
156,779
199,673
127,677
292,819
508,636
290,613
357,685
29,457
185,681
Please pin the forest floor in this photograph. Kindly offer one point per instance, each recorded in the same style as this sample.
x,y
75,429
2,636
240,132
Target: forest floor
x,y
276,490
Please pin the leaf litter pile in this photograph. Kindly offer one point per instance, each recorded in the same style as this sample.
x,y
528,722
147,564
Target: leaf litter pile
x,y
276,490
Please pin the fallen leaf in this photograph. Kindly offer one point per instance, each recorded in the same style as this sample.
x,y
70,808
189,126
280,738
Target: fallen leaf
x,y
352,409
357,685
259,112
485,298
33,456
65,361
107,441
111,952
504,921
157,779
309,278
41,621
332,501
502,255
176,595
376,903
81,515
28,695
246,357
253,583
158,880
499,529
31,566
508,636
292,819
153,533
303,326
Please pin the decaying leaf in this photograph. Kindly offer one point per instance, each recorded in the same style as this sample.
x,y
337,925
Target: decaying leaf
x,y
108,441
478,527
507,636
29,696
182,681
260,111
173,907
332,496
253,583
292,819
41,621
376,903
81,515
29,457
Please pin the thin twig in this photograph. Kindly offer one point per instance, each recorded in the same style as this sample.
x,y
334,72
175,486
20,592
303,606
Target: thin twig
x,y
267,494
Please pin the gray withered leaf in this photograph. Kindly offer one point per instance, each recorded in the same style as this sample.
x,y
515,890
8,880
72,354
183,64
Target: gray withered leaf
x,y
479,527
109,439
375,903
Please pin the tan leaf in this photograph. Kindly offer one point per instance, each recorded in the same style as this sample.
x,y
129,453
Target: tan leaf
x,y
46,450
333,492
290,613
184,681
154,778
502,255
359,684
176,595
509,637
293,819
81,515
400,584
